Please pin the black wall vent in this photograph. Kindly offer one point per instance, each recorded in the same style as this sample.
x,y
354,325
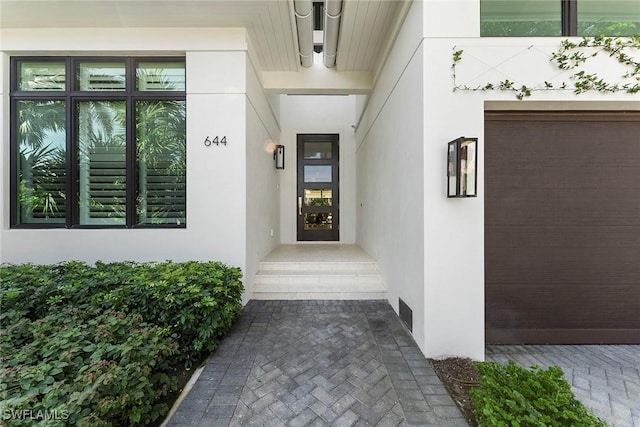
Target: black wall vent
x,y
406,314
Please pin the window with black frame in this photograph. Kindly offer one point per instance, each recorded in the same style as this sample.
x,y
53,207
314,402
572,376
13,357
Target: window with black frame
x,y
535,18
98,142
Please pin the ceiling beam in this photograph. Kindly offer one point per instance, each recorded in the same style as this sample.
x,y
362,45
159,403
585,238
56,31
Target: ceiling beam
x,y
317,80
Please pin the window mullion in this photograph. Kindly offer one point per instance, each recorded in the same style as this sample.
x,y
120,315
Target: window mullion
x,y
131,144
569,17
72,169
72,149
76,119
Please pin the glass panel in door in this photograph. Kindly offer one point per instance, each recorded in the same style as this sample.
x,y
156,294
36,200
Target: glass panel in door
x,y
318,187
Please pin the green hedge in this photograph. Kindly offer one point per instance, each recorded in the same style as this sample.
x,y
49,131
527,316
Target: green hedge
x,y
510,395
100,346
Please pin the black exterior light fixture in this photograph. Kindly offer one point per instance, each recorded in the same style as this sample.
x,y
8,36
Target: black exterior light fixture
x,y
462,168
278,156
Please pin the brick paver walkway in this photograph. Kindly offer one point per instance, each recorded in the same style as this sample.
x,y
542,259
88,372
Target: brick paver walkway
x,y
606,378
318,363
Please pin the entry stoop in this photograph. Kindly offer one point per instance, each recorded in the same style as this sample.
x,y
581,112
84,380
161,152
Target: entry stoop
x,y
302,272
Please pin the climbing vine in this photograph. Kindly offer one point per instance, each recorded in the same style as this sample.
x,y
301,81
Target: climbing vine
x,y
569,57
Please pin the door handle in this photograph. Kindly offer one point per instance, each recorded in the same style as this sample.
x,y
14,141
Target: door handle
x,y
299,205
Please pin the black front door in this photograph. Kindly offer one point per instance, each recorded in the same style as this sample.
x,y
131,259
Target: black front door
x,y
318,188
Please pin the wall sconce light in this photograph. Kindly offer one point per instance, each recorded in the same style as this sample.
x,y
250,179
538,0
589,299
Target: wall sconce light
x,y
462,168
278,156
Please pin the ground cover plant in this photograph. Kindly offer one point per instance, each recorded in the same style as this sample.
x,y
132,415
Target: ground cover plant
x,y
103,345
490,394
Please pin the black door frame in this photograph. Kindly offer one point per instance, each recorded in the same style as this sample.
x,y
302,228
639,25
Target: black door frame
x,y
334,209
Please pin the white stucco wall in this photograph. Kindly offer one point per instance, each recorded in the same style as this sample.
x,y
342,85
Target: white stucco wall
x,y
445,288
216,175
120,41
263,187
451,18
318,114
390,210
454,228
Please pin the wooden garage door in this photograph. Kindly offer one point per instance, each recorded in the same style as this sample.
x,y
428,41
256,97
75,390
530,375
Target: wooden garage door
x,y
562,227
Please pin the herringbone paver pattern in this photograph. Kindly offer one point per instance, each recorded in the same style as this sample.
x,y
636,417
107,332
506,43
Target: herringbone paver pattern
x,y
606,378
318,363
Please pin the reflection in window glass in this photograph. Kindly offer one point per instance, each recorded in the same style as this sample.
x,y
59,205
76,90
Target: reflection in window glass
x,y
520,18
452,170
120,149
317,150
467,166
164,76
41,76
317,173
608,17
102,162
101,76
41,162
161,162
317,197
318,221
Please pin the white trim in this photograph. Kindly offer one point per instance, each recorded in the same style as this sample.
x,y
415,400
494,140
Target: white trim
x,y
133,41
562,105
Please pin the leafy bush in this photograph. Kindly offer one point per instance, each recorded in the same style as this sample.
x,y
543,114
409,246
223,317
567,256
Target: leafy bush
x,y
101,345
510,395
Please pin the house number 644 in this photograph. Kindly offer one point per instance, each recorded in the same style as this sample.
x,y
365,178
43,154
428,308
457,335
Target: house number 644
x,y
216,140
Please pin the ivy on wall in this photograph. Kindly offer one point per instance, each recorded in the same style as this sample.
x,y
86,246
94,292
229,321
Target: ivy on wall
x,y
570,57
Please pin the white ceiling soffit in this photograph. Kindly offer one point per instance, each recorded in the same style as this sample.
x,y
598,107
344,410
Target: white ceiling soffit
x,y
367,30
367,27
268,22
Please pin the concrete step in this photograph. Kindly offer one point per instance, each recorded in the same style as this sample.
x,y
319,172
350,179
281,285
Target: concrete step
x,y
258,294
330,266
318,277
318,280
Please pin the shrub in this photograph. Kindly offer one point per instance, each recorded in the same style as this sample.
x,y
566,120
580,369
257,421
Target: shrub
x,y
510,395
101,345
198,301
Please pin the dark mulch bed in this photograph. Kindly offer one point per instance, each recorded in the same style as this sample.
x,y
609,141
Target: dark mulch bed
x,y
458,376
